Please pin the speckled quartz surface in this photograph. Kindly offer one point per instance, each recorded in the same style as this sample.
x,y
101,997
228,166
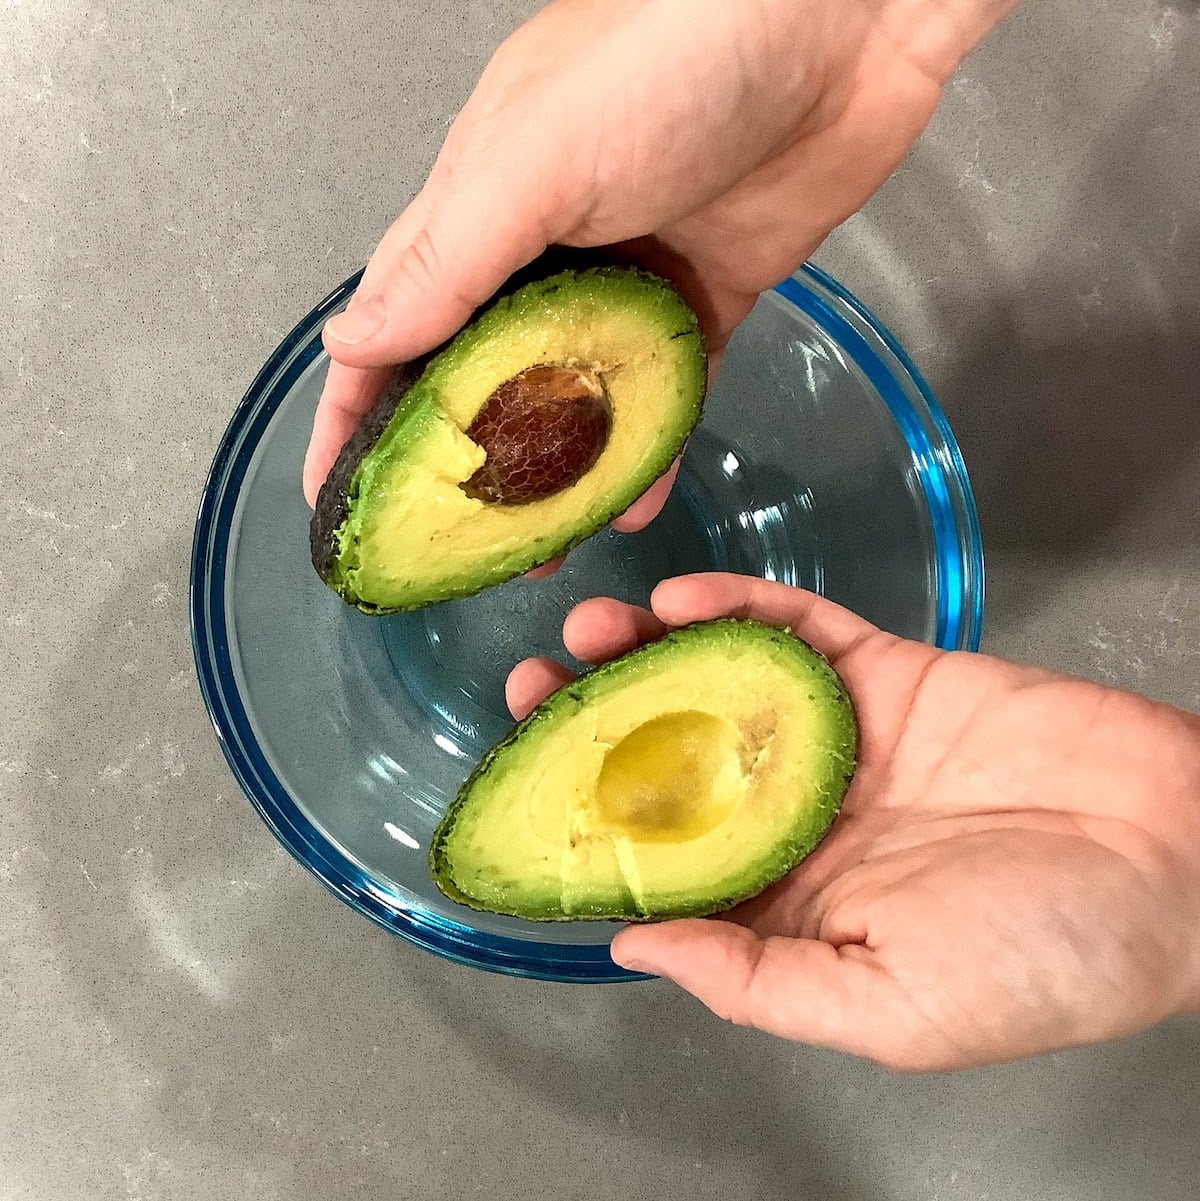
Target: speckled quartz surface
x,y
184,1013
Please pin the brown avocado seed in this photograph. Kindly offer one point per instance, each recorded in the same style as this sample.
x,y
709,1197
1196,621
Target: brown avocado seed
x,y
542,431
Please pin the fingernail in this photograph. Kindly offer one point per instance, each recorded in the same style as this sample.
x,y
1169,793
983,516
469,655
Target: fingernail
x,y
359,323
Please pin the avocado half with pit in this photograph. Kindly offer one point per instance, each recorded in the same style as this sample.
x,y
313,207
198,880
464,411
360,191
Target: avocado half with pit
x,y
552,410
675,781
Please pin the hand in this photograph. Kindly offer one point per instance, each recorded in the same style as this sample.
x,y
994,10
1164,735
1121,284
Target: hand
x,y
715,143
1016,868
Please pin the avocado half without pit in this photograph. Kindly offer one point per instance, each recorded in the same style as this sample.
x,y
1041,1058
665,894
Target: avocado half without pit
x,y
675,781
552,410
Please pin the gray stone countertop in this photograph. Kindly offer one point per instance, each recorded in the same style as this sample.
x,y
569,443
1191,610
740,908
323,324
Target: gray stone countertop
x,y
184,1012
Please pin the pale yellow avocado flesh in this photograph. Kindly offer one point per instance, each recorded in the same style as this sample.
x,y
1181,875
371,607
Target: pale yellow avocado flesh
x,y
678,780
414,535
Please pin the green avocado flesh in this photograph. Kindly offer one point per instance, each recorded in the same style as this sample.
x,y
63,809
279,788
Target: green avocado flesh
x,y
408,530
675,781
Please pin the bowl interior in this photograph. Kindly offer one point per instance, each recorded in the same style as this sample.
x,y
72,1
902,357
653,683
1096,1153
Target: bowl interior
x,y
820,462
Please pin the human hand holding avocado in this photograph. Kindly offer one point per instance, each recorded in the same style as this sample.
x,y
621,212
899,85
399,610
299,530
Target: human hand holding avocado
x,y
715,144
1016,867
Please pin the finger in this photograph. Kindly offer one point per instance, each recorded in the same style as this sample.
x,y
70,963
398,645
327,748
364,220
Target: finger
x,y
834,631
794,987
471,231
546,569
530,682
715,355
392,245
348,394
647,506
601,629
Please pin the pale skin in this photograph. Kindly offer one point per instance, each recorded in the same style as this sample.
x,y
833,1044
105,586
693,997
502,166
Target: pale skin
x,y
715,142
1017,866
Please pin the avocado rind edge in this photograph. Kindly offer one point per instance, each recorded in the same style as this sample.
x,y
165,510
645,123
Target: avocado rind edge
x,y
336,494
792,854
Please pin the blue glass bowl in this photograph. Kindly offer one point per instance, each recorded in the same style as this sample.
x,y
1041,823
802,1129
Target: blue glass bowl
x,y
823,460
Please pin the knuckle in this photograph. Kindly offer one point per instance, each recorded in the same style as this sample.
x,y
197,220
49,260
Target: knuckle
x,y
425,269
421,263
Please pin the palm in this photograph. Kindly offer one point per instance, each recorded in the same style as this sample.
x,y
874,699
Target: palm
x,y
997,882
980,828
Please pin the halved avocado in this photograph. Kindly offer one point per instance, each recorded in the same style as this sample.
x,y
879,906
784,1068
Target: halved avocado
x,y
675,781
554,408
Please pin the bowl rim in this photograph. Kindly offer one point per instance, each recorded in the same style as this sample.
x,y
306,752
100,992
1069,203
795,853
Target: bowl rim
x,y
959,580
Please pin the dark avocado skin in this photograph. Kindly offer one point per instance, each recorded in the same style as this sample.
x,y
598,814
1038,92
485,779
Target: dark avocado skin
x,y
333,500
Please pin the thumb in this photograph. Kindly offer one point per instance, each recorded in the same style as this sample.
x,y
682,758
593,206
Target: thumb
x,y
458,241
797,988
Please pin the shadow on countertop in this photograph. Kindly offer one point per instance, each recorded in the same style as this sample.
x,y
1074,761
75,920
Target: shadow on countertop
x,y
1070,376
1078,403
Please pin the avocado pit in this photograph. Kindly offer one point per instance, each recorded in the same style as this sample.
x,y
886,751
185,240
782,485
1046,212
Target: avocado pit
x,y
542,431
